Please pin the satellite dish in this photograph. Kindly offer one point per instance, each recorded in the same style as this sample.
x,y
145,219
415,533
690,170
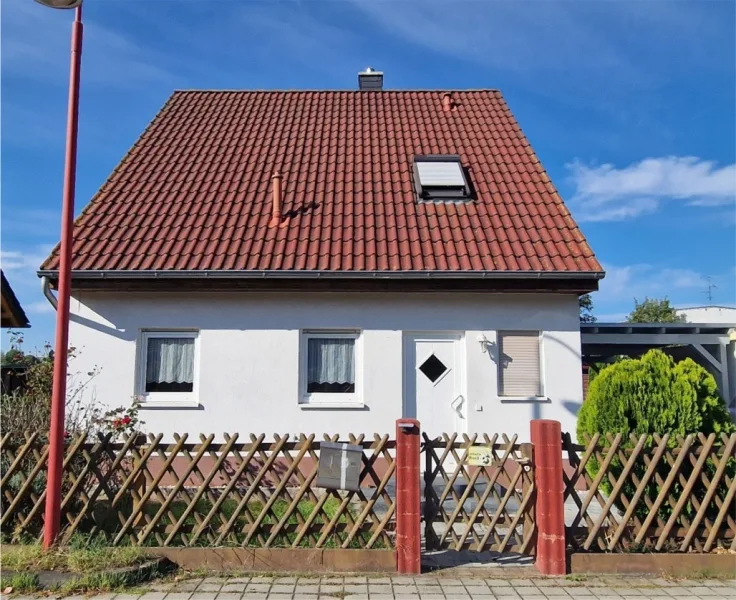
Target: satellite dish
x,y
60,3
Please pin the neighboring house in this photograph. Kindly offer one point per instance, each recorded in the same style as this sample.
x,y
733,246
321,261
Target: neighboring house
x,y
725,315
13,315
328,261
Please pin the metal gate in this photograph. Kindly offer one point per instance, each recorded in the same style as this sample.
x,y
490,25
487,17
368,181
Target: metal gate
x,y
478,494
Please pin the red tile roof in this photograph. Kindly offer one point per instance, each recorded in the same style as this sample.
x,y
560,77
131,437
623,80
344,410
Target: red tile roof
x,y
194,191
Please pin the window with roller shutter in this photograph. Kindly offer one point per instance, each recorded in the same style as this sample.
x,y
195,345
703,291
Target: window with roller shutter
x,y
519,369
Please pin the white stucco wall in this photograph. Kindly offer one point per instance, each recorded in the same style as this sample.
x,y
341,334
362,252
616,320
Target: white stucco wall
x,y
249,363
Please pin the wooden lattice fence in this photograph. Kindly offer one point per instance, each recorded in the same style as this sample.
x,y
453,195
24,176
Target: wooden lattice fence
x,y
478,508
241,492
659,493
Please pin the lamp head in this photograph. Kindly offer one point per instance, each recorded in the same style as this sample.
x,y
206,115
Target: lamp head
x,y
63,4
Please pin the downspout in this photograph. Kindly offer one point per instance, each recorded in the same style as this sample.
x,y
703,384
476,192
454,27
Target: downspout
x,y
46,288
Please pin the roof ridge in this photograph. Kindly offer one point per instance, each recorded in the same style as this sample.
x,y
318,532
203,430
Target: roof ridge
x,y
337,90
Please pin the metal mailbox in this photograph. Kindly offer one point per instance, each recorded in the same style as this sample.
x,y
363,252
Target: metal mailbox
x,y
340,466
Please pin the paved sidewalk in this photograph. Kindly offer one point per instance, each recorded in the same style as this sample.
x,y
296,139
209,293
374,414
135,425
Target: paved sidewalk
x,y
431,587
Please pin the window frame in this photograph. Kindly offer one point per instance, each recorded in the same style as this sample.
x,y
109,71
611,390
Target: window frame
x,y
499,370
165,399
434,194
330,399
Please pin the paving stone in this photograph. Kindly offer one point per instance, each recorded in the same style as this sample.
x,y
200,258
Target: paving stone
x,y
308,581
146,596
171,596
522,582
229,596
605,592
497,582
308,589
379,589
356,588
330,589
662,582
215,580
352,580
239,580
202,596
184,586
258,587
209,587
282,588
233,587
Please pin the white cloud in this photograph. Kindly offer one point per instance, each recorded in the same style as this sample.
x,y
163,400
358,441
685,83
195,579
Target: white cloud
x,y
36,46
39,307
24,262
608,193
640,280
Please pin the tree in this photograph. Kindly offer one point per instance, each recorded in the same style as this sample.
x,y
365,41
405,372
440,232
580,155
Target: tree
x,y
586,309
654,310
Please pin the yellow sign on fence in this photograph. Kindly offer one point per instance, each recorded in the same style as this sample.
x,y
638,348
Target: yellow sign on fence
x,y
480,456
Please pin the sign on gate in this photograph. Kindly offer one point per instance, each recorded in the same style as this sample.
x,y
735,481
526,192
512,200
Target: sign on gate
x,y
480,456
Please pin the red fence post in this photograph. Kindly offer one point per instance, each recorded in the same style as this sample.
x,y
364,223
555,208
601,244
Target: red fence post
x,y
408,532
550,505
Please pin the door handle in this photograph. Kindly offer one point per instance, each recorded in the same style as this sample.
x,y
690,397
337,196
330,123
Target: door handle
x,y
457,403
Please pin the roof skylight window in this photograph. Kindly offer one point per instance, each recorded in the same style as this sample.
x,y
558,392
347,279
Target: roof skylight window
x,y
440,178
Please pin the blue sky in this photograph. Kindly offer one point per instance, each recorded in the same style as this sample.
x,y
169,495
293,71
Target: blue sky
x,y
630,106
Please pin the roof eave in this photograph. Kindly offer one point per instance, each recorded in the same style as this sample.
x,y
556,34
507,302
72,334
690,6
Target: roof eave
x,y
273,274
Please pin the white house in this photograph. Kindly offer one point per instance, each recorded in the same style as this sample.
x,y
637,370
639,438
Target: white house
x,y
328,261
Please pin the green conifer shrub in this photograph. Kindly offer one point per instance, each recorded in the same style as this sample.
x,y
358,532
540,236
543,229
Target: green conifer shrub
x,y
649,395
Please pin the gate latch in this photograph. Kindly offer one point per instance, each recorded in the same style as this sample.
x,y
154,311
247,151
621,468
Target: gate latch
x,y
525,462
526,457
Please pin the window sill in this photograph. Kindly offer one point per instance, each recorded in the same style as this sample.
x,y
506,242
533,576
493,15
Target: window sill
x,y
332,405
169,404
524,399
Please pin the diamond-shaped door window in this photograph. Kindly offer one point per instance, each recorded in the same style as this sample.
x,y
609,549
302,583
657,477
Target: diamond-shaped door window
x,y
433,368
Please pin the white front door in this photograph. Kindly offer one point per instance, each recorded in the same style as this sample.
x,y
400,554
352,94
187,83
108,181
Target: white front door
x,y
433,375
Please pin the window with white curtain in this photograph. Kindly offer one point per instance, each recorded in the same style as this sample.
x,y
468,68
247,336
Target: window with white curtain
x,y
519,364
328,365
167,364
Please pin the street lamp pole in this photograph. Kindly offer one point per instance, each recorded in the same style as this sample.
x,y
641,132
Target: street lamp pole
x,y
52,517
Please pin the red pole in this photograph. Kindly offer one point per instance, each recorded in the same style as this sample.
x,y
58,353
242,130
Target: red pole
x,y
52,517
550,505
408,532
